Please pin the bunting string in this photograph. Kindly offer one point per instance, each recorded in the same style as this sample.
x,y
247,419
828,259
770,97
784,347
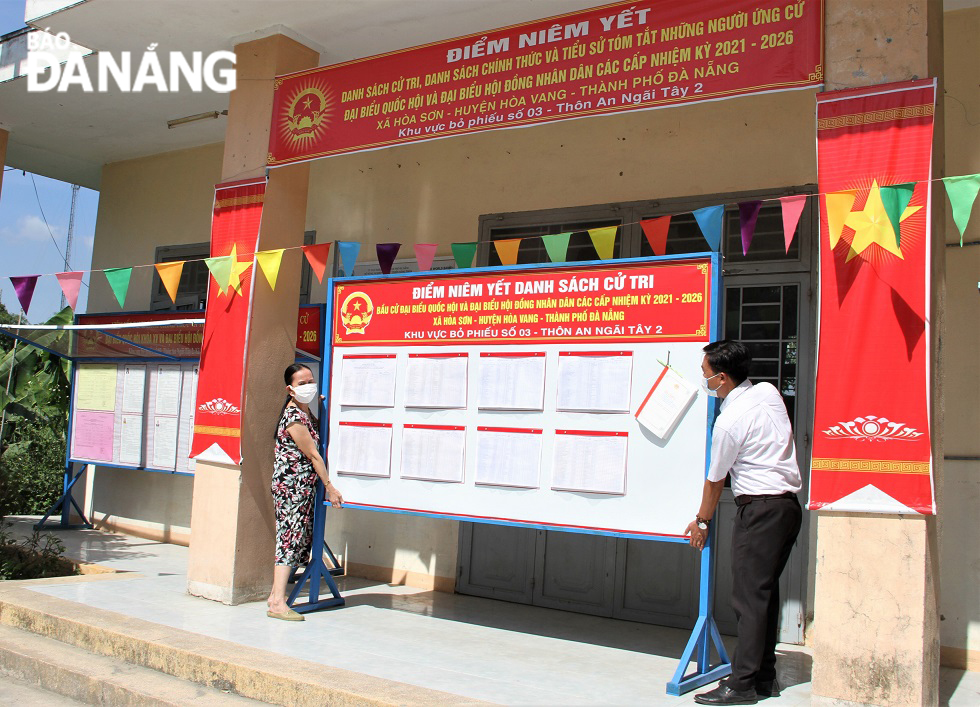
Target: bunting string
x,y
227,270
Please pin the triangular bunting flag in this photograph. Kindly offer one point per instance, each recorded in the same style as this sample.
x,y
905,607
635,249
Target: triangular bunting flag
x,y
463,254
962,192
317,255
425,253
269,262
792,208
119,282
507,250
710,220
895,198
170,276
557,246
386,255
838,205
70,283
221,271
748,214
655,229
348,255
604,240
24,287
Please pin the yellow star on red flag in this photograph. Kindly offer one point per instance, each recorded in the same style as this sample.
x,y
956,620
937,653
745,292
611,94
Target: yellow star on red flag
x,y
238,268
871,225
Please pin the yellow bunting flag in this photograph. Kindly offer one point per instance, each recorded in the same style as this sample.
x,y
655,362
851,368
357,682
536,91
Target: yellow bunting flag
x,y
220,270
170,276
838,205
269,262
507,250
604,240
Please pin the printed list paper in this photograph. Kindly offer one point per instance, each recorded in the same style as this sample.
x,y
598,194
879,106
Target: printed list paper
x,y
666,404
363,450
590,463
368,382
433,454
508,459
436,382
511,382
594,383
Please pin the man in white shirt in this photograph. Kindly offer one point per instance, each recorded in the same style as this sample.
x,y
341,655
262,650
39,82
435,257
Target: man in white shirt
x,y
752,440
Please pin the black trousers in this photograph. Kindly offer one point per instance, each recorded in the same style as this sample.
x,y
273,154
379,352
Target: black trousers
x,y
765,530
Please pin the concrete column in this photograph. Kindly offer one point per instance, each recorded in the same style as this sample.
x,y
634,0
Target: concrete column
x,y
876,632
4,135
232,523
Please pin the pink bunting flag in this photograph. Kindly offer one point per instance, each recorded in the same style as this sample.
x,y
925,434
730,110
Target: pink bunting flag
x,y
655,229
425,253
24,287
70,283
792,208
748,214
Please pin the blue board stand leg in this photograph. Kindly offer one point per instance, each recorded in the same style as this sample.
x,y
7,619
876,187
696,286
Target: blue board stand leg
x,y
704,635
65,503
317,570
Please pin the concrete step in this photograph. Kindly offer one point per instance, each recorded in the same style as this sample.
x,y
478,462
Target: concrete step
x,y
16,692
83,676
213,663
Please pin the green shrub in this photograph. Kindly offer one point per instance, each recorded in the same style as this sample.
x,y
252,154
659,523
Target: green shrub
x,y
32,471
34,557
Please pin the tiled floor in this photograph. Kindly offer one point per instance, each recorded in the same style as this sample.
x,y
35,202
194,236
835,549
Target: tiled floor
x,y
479,648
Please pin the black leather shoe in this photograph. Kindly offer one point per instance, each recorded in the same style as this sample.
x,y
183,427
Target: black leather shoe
x,y
724,695
767,688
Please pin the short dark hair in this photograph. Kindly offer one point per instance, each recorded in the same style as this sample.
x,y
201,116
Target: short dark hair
x,y
730,357
292,370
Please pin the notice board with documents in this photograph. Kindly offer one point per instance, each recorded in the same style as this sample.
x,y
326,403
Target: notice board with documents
x,y
562,397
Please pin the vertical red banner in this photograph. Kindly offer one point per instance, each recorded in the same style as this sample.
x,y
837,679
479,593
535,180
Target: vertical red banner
x,y
871,444
220,385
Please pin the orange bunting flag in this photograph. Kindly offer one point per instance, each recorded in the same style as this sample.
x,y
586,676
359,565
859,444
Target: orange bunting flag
x,y
838,205
316,255
507,250
604,240
655,229
170,276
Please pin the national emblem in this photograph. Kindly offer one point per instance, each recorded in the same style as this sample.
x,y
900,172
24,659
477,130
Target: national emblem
x,y
356,313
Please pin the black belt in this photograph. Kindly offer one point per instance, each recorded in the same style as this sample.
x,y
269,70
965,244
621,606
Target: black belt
x,y
745,499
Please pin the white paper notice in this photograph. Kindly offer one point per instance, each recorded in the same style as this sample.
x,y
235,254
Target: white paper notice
x,y
594,383
368,381
167,390
508,459
512,382
131,440
134,385
433,454
164,442
666,403
363,450
593,463
436,382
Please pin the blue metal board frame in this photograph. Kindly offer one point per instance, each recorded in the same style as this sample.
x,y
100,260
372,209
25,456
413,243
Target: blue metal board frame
x,y
705,633
74,468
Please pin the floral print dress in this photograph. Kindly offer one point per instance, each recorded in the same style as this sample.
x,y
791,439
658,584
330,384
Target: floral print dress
x,y
293,484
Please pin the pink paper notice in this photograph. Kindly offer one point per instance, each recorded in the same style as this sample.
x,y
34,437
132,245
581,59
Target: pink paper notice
x,y
92,437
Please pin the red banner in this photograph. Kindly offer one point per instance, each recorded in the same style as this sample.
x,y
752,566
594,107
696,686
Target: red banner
x,y
616,304
871,446
220,384
620,57
178,340
308,330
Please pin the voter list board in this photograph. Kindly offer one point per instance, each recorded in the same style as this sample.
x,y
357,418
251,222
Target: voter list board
x,y
138,415
511,395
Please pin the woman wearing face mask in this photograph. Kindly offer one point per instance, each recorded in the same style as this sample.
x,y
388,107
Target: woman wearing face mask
x,y
297,465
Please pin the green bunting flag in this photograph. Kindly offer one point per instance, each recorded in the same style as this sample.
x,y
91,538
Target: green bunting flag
x,y
119,282
464,253
221,271
557,246
962,192
895,198
604,240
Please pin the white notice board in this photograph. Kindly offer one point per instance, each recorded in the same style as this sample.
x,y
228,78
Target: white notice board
x,y
483,426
